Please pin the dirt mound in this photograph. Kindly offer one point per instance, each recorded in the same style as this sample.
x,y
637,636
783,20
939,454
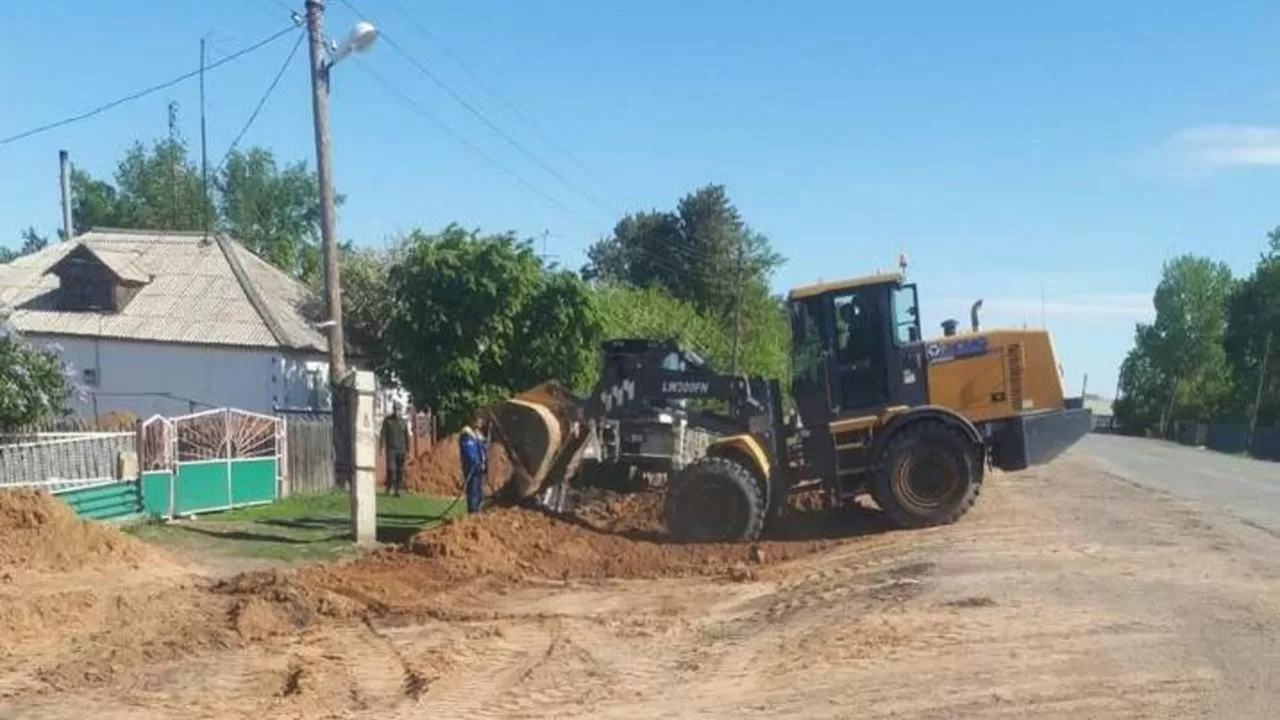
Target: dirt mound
x,y
617,540
438,470
636,515
274,603
38,532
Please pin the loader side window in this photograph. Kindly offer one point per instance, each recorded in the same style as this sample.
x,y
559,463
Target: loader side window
x,y
806,334
906,316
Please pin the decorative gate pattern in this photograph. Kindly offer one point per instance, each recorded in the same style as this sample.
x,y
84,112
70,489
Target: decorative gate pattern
x,y
212,460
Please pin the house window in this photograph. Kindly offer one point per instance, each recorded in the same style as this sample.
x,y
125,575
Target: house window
x,y
314,381
86,287
90,377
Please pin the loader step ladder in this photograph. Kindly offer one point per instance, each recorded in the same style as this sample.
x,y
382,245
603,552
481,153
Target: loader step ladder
x,y
851,440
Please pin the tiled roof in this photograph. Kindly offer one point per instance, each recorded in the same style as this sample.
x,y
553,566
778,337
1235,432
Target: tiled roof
x,y
194,290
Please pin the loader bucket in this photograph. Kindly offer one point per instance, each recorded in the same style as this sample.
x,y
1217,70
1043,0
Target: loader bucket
x,y
544,435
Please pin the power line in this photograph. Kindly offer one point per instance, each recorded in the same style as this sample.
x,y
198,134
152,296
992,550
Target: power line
x,y
506,102
148,91
519,146
263,100
280,4
418,108
652,255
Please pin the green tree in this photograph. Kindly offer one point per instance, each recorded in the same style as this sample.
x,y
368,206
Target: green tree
x,y
1252,312
704,254
766,339
275,212
161,189
652,313
33,382
155,189
700,252
474,319
1142,385
1178,368
32,242
366,301
93,203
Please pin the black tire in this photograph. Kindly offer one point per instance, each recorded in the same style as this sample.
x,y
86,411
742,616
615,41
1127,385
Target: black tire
x,y
714,499
929,474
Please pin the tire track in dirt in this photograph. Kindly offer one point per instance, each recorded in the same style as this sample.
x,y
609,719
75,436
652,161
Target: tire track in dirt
x,y
1064,594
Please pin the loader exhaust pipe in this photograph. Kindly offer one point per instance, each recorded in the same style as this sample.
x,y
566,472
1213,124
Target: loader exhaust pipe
x,y
973,316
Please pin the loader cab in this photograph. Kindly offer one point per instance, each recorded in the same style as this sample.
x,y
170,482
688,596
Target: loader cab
x,y
856,348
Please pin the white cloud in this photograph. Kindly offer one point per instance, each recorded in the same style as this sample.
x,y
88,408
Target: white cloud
x,y
1217,147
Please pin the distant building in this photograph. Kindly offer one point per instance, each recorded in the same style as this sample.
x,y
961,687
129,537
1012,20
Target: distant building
x,y
169,323
1103,417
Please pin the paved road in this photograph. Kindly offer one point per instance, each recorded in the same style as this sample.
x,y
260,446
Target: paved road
x,y
1248,488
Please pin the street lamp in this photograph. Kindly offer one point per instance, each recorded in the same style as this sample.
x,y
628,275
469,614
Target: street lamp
x,y
362,37
323,58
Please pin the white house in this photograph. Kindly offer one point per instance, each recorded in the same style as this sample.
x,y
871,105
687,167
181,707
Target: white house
x,y
169,323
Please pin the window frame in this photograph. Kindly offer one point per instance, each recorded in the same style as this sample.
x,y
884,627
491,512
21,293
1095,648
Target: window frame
x,y
915,320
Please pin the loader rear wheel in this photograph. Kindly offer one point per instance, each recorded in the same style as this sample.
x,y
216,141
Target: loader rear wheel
x,y
929,474
714,499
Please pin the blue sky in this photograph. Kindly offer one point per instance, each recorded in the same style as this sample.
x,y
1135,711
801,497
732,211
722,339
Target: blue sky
x,y
1046,157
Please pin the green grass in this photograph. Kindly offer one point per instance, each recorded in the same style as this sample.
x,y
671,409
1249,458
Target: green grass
x,y
294,530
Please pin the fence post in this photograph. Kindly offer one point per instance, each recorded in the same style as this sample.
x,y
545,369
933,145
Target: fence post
x,y
284,486
172,428
226,450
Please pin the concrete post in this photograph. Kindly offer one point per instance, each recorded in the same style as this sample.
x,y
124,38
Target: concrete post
x,y
364,448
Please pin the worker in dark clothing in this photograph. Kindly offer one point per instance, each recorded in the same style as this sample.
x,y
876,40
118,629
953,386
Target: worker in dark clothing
x,y
475,463
395,442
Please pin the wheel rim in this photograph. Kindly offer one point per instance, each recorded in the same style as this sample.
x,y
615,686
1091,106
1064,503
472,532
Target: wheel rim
x,y
928,480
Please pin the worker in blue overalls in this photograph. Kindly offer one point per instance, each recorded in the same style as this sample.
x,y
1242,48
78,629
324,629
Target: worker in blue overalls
x,y
475,462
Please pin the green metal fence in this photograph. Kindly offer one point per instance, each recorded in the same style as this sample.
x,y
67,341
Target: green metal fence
x,y
204,462
116,500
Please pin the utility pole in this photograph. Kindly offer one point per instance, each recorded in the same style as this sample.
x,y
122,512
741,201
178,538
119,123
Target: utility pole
x,y
324,172
64,170
173,165
204,149
737,306
1257,397
328,236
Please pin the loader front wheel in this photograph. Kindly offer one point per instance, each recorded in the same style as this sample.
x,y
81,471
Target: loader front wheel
x,y
929,474
714,499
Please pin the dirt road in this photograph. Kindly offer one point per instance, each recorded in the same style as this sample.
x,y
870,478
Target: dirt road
x,y
1066,593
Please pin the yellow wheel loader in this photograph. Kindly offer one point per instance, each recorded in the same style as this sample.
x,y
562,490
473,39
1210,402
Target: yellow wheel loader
x,y
880,411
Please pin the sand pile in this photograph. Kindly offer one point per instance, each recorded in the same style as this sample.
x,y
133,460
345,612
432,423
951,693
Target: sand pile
x,y
634,515
38,532
274,603
438,470
618,538
91,636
